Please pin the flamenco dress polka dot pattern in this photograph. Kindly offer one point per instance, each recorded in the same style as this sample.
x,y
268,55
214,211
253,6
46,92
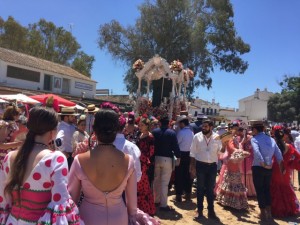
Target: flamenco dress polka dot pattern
x,y
43,199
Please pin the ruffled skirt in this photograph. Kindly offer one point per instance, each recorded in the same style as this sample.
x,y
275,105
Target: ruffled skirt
x,y
284,200
232,192
249,185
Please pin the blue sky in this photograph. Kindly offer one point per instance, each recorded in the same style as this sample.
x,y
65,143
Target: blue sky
x,y
271,27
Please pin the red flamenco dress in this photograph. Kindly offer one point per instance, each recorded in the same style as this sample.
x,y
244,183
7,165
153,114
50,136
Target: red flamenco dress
x,y
284,200
145,195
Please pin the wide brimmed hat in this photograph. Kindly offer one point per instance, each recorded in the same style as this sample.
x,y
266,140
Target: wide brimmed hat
x,y
226,136
91,109
181,118
68,111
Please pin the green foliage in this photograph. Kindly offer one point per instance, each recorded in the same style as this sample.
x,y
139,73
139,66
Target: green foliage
x,y
47,41
12,35
53,43
200,33
285,106
83,63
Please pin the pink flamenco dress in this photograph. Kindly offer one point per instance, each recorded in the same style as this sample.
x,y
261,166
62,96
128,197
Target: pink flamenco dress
x,y
231,191
224,158
284,200
246,168
108,208
44,198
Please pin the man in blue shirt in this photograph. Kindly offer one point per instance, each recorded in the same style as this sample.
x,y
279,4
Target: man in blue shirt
x,y
183,181
264,147
165,147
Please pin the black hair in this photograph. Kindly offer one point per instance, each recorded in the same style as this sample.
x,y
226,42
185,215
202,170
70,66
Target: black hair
x,y
241,129
164,121
41,120
185,122
278,134
259,128
106,125
209,122
287,131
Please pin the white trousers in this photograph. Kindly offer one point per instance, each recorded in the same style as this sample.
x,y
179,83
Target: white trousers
x,y
162,175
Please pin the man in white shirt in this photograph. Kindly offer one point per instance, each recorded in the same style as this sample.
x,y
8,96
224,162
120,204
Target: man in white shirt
x,y
66,129
129,148
205,149
183,181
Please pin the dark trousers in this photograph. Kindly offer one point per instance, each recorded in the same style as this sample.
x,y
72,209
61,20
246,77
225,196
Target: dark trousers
x,y
183,181
70,160
206,181
262,182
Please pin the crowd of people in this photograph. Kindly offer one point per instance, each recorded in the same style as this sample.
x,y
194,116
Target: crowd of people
x,y
108,167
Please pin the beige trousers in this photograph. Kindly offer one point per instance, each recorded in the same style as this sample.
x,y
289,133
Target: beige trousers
x,y
162,175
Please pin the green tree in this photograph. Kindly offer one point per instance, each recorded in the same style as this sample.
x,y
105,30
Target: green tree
x,y
47,41
285,106
200,33
83,63
12,35
52,43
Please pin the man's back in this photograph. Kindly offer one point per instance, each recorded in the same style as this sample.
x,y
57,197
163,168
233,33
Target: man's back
x,y
264,147
165,142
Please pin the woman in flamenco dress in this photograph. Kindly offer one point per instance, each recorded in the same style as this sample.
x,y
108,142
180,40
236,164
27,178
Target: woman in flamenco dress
x,y
8,127
34,178
131,130
145,142
247,179
231,191
284,200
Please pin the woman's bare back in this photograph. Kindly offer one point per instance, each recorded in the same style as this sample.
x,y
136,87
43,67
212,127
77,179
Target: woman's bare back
x,y
105,166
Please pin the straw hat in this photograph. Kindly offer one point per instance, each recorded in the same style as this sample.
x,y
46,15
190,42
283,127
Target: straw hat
x,y
67,111
225,137
91,109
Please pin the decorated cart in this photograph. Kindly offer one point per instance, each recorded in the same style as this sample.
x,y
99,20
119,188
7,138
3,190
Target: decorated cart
x,y
169,83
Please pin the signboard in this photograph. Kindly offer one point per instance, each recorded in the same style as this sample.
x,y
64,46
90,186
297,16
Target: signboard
x,y
102,91
83,86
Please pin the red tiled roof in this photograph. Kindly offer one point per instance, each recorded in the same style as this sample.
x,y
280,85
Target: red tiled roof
x,y
41,64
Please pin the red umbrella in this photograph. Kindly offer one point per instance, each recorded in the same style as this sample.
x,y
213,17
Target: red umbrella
x,y
60,100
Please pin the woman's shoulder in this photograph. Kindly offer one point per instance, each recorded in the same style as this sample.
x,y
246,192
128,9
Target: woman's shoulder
x,y
290,148
53,158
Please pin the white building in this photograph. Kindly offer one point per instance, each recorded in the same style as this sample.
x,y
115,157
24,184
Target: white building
x,y
254,107
200,106
24,71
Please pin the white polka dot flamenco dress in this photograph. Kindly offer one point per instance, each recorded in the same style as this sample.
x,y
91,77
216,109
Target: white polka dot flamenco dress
x,y
44,198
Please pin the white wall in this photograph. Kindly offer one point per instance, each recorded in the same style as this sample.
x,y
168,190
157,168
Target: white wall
x,y
256,109
82,85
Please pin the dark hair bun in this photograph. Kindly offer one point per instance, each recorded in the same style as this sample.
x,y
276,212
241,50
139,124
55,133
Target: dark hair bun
x,y
106,125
